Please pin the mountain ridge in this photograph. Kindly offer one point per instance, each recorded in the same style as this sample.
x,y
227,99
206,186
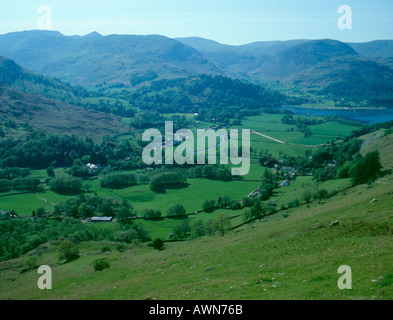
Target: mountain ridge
x,y
132,60
90,60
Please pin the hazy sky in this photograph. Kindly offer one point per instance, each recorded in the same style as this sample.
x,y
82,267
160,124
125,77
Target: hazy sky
x,y
226,21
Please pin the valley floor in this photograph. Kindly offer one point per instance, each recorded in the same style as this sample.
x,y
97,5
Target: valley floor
x,y
277,258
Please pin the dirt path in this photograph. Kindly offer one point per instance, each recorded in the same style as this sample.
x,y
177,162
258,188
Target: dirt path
x,y
43,199
282,142
267,137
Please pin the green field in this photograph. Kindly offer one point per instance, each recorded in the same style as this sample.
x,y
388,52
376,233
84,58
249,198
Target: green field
x,y
271,125
292,254
199,190
294,258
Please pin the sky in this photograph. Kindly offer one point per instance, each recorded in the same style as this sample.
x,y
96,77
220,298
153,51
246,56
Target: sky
x,y
232,22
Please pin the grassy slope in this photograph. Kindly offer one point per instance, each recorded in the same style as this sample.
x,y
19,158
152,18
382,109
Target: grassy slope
x,y
292,258
295,258
383,145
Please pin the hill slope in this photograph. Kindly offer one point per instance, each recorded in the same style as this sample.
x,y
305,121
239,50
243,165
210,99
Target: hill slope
x,y
295,258
22,79
295,255
288,63
54,116
374,49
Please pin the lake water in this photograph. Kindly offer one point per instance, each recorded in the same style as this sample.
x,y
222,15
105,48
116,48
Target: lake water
x,y
361,115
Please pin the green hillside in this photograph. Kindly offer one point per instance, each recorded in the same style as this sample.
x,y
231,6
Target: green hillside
x,y
294,254
294,258
19,78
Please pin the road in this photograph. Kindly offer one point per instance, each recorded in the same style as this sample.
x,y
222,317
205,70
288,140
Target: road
x,y
282,142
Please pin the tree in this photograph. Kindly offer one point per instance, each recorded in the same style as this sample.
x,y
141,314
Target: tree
x,y
199,229
126,236
307,195
323,174
152,214
208,205
163,181
40,212
258,210
176,211
366,169
66,185
307,133
119,180
67,250
79,169
224,201
158,244
30,263
101,264
267,177
142,232
320,195
181,230
85,210
221,224
267,191
124,210
50,172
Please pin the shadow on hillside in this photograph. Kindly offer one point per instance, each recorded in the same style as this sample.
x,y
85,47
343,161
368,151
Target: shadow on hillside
x,y
177,186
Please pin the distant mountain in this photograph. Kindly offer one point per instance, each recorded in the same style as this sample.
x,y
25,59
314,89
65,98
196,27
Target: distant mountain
x,y
95,59
131,60
345,68
273,59
55,116
374,49
22,79
295,61
239,61
313,63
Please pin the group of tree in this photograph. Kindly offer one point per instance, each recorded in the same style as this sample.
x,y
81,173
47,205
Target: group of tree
x,y
42,150
214,98
176,211
66,185
301,123
366,169
211,171
258,210
222,202
119,180
187,229
20,184
19,236
80,169
152,214
85,206
337,160
167,180
375,92
13,173
135,234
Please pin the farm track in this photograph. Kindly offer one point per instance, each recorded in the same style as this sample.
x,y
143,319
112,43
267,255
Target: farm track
x,y
287,143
